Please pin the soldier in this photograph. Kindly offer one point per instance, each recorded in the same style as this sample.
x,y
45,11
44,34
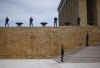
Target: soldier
x,y
55,22
62,53
31,22
87,38
6,22
78,20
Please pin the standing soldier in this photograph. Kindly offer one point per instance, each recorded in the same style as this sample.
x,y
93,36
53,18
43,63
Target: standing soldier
x,y
78,20
87,38
55,22
6,22
62,53
31,22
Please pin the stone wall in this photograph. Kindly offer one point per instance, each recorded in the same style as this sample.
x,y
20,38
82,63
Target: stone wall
x,y
83,12
69,12
98,12
43,42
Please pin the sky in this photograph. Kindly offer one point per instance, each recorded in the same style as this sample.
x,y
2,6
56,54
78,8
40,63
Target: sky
x,y
21,10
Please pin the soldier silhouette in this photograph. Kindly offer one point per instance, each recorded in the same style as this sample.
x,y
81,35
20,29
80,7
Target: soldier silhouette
x,y
55,22
31,22
62,53
6,22
78,20
87,38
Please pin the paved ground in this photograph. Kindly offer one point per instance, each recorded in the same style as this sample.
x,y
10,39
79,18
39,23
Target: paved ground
x,y
35,63
44,63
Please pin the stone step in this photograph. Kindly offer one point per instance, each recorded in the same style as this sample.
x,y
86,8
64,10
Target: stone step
x,y
88,54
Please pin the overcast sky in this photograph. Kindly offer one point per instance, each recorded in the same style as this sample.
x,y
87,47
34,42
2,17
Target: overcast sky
x,y
21,10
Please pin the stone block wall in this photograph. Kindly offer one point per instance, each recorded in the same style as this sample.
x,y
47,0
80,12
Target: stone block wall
x,y
68,12
44,42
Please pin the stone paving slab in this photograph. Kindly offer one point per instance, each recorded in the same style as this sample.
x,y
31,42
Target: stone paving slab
x,y
43,63
31,63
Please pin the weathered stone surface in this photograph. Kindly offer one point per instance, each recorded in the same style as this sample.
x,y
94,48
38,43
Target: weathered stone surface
x,y
43,42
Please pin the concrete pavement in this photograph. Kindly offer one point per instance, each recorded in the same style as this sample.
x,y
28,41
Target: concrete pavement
x,y
43,63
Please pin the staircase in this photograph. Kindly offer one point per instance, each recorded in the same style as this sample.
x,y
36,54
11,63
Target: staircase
x,y
83,55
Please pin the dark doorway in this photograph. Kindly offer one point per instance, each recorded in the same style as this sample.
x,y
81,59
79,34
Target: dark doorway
x,y
91,12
